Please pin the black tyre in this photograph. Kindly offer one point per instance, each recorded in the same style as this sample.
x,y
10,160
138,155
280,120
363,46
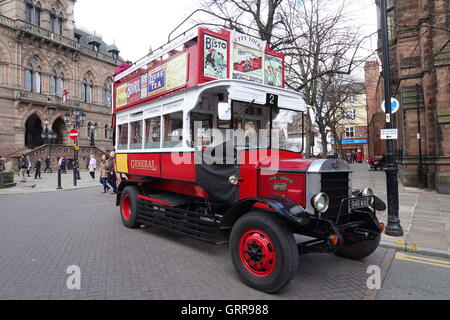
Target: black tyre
x,y
264,251
128,207
357,250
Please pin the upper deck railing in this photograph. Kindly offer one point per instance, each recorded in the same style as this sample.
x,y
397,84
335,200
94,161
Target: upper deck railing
x,y
194,58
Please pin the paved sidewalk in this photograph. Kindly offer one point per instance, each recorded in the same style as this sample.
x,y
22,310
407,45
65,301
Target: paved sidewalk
x,y
424,214
49,182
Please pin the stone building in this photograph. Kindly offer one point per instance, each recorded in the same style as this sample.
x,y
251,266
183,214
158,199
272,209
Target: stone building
x,y
419,34
43,55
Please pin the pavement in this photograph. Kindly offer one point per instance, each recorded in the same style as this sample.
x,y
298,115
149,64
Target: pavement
x,y
424,214
49,183
43,234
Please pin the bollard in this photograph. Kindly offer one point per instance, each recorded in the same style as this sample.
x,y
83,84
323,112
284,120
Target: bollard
x,y
59,181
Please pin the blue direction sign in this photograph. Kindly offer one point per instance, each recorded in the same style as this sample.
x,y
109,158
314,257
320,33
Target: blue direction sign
x,y
395,105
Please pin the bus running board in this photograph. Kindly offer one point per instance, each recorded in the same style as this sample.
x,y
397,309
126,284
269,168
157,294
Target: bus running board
x,y
185,222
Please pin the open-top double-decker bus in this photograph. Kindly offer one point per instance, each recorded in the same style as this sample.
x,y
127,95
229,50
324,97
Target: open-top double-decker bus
x,y
208,145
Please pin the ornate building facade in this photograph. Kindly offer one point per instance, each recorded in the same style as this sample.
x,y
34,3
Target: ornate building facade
x,y
43,55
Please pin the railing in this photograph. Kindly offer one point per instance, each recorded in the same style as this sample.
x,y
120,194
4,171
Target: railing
x,y
98,55
50,36
5,21
37,97
38,31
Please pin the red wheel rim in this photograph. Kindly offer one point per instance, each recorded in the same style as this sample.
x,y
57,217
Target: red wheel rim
x,y
257,253
126,207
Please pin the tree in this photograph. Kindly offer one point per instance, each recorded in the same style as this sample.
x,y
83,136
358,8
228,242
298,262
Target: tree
x,y
322,47
314,35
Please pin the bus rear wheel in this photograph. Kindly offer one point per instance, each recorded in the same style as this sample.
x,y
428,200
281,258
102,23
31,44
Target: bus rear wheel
x,y
264,251
128,207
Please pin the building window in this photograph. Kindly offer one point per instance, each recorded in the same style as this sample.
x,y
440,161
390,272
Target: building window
x,y
33,12
37,14
29,11
33,76
350,132
391,20
87,89
107,94
57,81
350,114
56,22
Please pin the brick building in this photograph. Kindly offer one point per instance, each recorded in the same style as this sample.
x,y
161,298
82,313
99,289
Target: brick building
x,y
353,127
42,54
375,115
419,34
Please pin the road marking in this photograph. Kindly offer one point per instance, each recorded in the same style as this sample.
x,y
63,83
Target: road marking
x,y
432,262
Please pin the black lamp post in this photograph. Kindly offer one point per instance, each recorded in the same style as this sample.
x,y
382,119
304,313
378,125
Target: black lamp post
x,y
49,138
76,119
393,227
92,131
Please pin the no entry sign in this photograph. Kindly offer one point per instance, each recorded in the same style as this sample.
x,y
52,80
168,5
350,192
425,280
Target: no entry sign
x,y
73,134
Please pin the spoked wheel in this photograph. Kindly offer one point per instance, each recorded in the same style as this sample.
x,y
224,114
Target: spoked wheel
x,y
264,251
128,207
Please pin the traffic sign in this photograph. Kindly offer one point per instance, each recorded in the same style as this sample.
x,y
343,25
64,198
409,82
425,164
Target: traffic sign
x,y
389,134
73,134
395,105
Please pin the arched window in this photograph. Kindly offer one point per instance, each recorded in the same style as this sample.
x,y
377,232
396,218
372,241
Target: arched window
x,y
57,80
56,21
33,76
107,94
33,12
29,11
37,14
106,132
87,89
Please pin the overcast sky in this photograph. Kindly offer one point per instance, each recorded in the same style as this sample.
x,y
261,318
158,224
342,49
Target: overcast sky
x,y
135,25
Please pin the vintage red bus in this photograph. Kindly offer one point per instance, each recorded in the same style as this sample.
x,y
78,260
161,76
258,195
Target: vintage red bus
x,y
183,166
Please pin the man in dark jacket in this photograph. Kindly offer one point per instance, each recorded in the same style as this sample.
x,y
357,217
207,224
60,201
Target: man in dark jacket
x,y
112,173
37,167
23,167
47,165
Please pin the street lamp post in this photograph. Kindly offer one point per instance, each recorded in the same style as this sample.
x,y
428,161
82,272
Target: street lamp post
x,y
76,119
92,131
393,227
48,137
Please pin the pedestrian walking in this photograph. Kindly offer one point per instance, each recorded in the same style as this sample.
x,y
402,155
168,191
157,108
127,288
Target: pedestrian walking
x,y
64,165
112,172
87,160
47,165
104,173
92,167
29,166
37,168
23,167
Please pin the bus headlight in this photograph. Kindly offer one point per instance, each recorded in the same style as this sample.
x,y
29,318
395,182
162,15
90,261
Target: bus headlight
x,y
321,202
367,192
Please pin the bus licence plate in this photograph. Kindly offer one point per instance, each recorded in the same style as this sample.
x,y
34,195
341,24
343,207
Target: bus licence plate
x,y
359,203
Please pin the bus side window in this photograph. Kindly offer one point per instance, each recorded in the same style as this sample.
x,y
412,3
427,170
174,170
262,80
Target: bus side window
x,y
173,130
123,137
201,125
153,133
136,135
